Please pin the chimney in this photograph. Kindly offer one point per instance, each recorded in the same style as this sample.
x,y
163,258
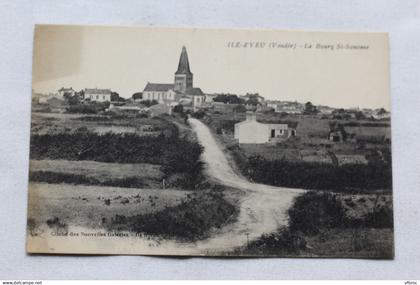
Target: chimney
x,y
251,116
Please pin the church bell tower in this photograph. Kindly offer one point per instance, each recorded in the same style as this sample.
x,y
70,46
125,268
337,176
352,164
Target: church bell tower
x,y
183,76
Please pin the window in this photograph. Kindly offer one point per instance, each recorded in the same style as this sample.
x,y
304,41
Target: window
x,y
273,133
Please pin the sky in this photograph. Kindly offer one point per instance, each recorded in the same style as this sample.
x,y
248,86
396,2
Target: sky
x,y
279,65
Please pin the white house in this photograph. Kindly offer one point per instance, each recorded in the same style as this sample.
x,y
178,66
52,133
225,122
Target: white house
x,y
253,132
98,95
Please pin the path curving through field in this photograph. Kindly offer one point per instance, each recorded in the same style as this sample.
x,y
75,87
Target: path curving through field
x,y
263,208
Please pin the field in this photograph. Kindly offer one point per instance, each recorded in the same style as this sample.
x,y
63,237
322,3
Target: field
x,y
312,143
53,123
92,206
101,171
150,174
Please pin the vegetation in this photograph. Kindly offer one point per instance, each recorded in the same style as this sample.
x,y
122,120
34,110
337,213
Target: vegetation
x,y
310,109
316,218
319,176
313,211
282,242
179,109
55,177
137,95
115,97
149,103
228,99
176,155
88,108
190,220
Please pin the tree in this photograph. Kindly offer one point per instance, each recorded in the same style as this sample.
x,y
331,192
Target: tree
x,y
115,97
149,103
382,111
228,99
359,115
137,95
310,109
179,109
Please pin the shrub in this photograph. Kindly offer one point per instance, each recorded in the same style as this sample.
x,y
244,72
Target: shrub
x,y
88,108
179,109
282,242
319,176
190,220
313,211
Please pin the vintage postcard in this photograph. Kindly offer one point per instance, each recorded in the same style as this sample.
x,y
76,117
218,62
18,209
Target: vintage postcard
x,y
210,142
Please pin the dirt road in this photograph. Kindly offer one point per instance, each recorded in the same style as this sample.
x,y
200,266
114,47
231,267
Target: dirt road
x,y
263,208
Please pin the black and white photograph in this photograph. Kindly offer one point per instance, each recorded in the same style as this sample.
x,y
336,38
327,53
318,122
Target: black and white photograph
x,y
210,142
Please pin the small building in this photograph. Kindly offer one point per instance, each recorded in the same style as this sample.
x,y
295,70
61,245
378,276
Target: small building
x,y
62,92
97,95
253,132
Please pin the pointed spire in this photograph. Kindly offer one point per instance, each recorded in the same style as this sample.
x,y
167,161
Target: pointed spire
x,y
183,65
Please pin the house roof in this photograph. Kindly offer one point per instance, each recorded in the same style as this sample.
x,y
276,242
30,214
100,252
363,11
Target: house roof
x,y
289,125
273,126
65,89
162,87
97,91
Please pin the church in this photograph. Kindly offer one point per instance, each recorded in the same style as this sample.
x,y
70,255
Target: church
x,y
181,91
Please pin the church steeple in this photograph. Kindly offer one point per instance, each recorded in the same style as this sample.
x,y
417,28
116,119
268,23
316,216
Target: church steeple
x,y
183,76
183,65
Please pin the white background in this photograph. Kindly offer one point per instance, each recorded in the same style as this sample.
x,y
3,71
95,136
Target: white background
x,y
401,18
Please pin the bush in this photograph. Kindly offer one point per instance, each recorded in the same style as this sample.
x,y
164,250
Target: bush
x,y
179,109
319,176
199,114
149,103
190,220
314,211
282,242
89,108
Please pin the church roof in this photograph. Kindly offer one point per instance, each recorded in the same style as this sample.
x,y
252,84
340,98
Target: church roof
x,y
183,65
194,91
160,87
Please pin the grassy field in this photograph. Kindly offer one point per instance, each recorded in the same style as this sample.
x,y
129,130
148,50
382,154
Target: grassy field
x,y
53,123
311,143
120,176
92,206
151,174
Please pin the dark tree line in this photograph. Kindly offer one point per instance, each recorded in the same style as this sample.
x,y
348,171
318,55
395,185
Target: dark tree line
x,y
320,176
175,154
